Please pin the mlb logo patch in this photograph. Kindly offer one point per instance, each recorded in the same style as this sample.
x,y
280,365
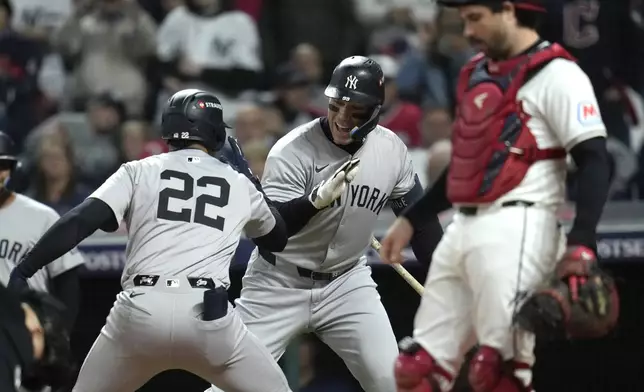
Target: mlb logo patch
x,y
588,113
172,282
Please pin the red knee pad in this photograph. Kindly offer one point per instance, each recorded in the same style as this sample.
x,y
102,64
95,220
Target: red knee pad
x,y
415,369
489,373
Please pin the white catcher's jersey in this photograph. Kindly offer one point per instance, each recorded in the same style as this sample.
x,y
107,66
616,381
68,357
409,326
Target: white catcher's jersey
x,y
185,212
563,111
337,236
22,223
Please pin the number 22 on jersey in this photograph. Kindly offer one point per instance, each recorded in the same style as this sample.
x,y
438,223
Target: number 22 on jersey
x,y
187,194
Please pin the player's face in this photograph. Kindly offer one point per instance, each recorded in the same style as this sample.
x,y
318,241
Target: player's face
x,y
487,30
343,117
5,167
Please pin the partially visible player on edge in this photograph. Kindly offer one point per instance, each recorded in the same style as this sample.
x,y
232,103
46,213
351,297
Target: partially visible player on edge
x,y
320,283
23,222
185,211
523,105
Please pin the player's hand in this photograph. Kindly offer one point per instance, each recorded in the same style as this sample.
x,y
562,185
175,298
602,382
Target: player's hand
x,y
575,267
17,281
330,189
396,239
233,155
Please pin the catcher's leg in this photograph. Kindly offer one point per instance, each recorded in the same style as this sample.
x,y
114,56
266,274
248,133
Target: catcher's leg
x,y
511,251
442,327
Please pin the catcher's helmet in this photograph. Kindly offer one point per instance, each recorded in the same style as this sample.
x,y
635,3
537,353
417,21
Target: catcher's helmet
x,y
360,80
194,115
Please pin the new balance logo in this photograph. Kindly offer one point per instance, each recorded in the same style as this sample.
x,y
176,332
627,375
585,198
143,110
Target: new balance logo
x,y
352,82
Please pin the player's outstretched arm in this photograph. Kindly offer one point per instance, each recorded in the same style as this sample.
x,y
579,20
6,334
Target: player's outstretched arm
x,y
63,236
427,233
415,216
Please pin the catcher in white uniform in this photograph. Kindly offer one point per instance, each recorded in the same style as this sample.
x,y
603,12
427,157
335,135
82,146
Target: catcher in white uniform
x,y
330,179
504,270
185,211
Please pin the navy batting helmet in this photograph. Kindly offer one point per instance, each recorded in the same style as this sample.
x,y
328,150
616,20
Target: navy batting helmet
x,y
360,80
194,115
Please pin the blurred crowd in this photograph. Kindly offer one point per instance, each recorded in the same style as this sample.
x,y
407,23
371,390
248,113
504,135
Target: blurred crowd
x,y
82,82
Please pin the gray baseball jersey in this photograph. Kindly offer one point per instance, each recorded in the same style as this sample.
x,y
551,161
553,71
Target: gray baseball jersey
x,y
24,221
277,304
185,212
158,195
337,236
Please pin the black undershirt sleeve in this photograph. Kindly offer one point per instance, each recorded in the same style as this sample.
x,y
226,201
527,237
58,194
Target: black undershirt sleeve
x,y
427,233
431,203
76,225
593,180
296,213
276,239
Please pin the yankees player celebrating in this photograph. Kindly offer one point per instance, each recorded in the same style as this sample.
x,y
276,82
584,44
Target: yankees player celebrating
x,y
24,221
522,106
320,282
185,211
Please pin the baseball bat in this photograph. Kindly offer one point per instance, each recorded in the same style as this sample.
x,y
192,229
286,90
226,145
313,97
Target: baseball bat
x,y
409,278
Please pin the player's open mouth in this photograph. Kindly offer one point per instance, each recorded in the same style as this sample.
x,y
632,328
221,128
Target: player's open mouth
x,y
343,129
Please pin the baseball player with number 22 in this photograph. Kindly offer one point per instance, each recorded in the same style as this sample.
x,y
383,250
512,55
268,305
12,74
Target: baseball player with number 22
x,y
503,271
185,211
330,179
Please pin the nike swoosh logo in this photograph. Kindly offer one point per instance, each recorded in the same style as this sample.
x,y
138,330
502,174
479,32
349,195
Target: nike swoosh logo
x,y
132,295
319,169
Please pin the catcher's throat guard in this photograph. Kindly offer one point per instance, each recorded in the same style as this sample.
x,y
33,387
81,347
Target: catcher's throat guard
x,y
558,311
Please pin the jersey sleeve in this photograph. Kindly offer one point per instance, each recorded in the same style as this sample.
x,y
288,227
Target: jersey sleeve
x,y
406,176
117,191
68,261
261,220
284,177
570,105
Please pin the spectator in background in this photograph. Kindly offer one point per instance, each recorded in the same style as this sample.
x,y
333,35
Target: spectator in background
x,y
204,45
137,143
20,58
429,74
39,20
107,50
56,181
436,125
256,153
159,9
438,156
250,125
403,118
329,25
293,97
307,59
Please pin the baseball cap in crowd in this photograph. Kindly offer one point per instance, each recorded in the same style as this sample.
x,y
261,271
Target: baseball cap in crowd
x,y
388,64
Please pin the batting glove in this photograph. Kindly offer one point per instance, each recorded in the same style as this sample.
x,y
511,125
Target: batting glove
x,y
329,190
575,267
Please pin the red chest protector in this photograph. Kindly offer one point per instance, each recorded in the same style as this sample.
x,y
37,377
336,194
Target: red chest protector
x,y
492,144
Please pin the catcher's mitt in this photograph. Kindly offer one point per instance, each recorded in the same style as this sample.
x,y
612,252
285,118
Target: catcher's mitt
x,y
56,367
573,304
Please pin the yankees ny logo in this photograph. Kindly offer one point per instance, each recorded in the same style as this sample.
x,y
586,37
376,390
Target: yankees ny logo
x,y
352,82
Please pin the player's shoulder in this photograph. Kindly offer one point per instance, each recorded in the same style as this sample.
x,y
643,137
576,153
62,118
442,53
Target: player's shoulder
x,y
240,18
562,72
385,137
40,209
297,140
177,14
